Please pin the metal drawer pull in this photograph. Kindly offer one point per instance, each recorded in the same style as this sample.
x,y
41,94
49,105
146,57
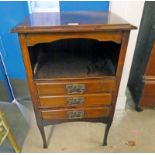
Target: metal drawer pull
x,y
75,88
78,114
75,101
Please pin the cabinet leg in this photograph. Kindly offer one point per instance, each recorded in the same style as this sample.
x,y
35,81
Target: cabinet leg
x,y
106,133
42,131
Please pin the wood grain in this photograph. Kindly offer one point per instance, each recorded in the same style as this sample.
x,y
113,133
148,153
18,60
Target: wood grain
x,y
147,101
27,63
150,69
61,114
89,100
59,22
120,65
59,88
100,94
33,39
149,88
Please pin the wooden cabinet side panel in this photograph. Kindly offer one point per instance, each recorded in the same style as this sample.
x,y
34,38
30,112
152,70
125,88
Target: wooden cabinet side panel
x,y
125,38
150,69
147,101
149,88
27,63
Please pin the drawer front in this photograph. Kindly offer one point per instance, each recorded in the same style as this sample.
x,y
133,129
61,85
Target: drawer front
x,y
78,113
78,87
86,100
149,88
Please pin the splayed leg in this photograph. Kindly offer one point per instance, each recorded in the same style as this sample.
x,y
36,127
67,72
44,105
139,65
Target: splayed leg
x,y
42,131
106,133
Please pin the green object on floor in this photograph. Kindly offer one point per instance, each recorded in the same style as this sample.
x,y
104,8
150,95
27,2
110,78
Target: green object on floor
x,y
6,132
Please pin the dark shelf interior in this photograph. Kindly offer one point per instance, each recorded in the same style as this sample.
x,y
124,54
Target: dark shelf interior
x,y
74,58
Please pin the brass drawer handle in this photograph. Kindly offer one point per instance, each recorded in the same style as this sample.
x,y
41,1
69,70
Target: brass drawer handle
x,y
77,114
75,88
75,101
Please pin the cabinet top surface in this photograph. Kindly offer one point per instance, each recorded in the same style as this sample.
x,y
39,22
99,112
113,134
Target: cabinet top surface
x,y
72,22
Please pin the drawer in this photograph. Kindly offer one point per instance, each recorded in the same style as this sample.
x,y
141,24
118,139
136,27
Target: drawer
x,y
78,113
75,87
85,100
149,88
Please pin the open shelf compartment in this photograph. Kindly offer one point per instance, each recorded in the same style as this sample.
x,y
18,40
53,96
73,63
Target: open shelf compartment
x,y
71,58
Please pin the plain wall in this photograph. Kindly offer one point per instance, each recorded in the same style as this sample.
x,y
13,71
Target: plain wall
x,y
11,13
84,5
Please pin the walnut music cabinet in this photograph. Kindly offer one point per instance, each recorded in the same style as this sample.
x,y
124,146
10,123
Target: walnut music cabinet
x,y
74,63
